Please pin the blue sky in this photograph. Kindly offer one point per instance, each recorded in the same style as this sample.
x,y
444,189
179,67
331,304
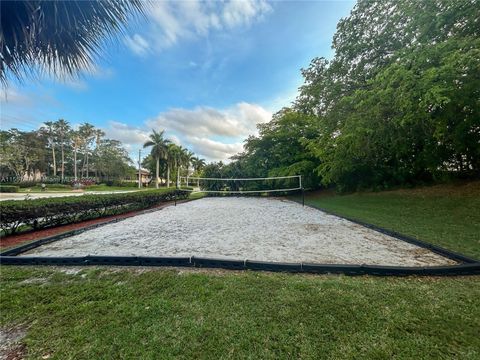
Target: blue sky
x,y
206,72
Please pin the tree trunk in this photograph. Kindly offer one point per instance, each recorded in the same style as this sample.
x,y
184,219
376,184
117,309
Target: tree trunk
x,y
75,164
178,177
168,175
63,164
156,172
54,161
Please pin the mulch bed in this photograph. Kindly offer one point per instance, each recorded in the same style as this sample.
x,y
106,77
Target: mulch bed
x,y
18,239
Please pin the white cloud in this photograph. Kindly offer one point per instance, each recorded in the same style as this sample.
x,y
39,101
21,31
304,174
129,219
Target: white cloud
x,y
176,20
215,134
137,44
174,139
25,110
99,72
128,135
77,84
242,13
214,150
238,120
11,95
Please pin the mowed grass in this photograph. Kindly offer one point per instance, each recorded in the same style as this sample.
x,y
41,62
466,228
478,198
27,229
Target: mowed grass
x,y
445,215
102,313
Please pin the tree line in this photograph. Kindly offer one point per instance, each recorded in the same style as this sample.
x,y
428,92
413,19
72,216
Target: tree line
x,y
58,151
64,154
398,104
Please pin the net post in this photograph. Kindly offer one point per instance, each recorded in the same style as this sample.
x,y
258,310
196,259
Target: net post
x,y
303,191
176,191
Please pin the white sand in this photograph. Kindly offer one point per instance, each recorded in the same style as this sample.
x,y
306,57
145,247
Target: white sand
x,y
244,228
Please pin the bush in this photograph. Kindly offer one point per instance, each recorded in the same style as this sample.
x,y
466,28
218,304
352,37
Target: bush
x,y
121,183
8,189
41,213
24,184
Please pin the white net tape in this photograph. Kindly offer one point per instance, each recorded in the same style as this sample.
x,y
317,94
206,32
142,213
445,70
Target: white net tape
x,y
240,185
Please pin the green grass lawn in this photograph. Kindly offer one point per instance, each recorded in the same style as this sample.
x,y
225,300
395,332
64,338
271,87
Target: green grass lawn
x,y
101,313
103,187
445,215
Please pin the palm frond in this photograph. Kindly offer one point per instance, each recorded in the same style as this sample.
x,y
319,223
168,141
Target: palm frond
x,y
148,144
58,37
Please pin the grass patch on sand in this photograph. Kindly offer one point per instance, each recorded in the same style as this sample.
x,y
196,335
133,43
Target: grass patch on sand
x,y
445,215
116,313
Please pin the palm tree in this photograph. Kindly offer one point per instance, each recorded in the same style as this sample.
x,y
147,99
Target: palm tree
x,y
198,164
173,160
159,150
58,37
186,157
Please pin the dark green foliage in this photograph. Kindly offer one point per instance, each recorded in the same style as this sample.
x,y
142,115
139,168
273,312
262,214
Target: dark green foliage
x,y
232,171
48,212
120,183
23,184
398,105
8,188
415,121
279,150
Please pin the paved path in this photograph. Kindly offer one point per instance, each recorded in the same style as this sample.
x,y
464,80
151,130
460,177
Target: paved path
x,y
23,196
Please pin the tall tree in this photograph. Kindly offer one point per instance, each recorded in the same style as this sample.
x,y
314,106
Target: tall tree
x,y
112,160
50,132
77,143
63,129
159,150
198,164
87,132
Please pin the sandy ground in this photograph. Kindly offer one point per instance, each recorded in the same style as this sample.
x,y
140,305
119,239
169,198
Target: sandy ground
x,y
244,228
42,195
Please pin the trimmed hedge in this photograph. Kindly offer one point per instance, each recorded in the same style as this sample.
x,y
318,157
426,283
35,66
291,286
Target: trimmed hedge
x,y
41,213
8,189
22,185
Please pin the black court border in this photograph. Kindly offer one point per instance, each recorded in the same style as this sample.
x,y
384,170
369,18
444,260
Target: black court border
x,y
468,266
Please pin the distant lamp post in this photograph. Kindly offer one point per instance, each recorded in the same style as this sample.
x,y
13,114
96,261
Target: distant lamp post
x,y
139,169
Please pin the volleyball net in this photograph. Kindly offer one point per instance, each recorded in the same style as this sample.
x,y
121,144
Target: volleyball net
x,y
277,184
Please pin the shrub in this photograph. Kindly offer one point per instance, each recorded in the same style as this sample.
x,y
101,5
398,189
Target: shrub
x,y
121,183
24,184
41,213
8,189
